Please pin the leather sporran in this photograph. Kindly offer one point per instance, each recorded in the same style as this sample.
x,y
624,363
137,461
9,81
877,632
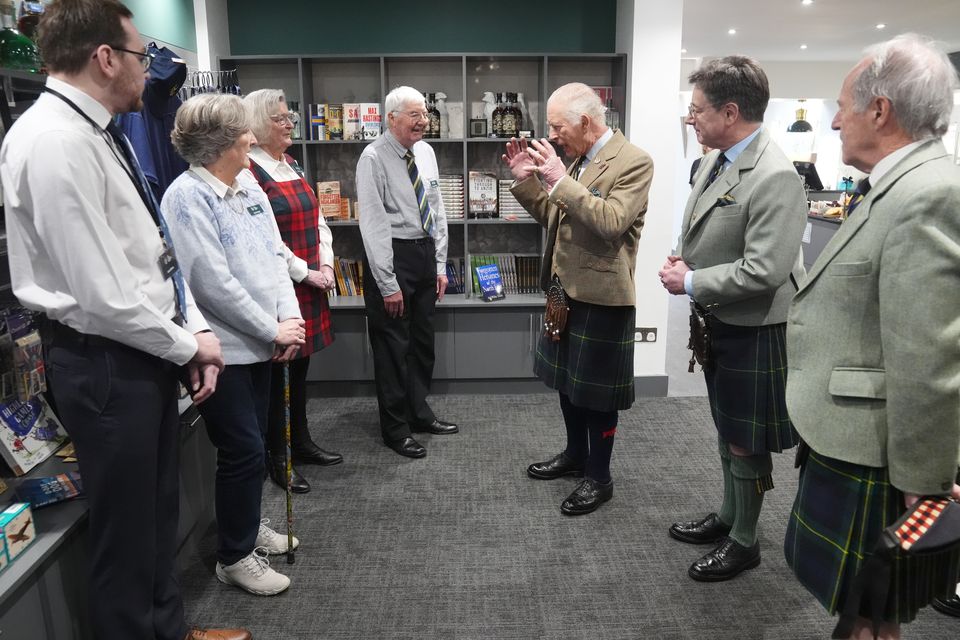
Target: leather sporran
x,y
699,343
555,316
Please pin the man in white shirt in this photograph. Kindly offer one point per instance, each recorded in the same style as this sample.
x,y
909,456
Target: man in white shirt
x,y
119,322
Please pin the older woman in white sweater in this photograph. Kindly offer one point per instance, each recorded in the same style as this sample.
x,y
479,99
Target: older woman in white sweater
x,y
230,252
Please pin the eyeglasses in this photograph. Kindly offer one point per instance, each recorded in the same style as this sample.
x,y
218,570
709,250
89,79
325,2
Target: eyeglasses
x,y
415,115
693,111
283,118
146,59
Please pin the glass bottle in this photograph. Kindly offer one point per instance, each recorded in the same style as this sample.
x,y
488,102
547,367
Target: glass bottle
x,y
30,13
17,51
611,116
800,125
508,124
497,123
434,115
294,107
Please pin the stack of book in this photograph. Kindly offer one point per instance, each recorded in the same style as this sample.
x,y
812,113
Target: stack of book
x,y
349,277
509,207
451,190
347,121
455,276
520,272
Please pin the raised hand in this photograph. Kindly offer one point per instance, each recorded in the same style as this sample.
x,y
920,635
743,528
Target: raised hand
x,y
522,165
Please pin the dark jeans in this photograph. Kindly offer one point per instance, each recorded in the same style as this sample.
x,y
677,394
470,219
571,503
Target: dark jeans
x,y
403,347
236,419
119,406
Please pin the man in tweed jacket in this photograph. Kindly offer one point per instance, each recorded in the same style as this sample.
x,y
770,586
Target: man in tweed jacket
x,y
738,259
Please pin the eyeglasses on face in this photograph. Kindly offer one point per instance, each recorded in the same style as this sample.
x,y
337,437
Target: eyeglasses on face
x,y
693,110
415,115
284,118
146,59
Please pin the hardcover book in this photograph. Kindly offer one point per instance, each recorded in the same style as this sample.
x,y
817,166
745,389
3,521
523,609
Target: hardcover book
x,y
351,122
318,121
491,284
370,120
328,196
483,195
334,122
40,492
29,433
30,377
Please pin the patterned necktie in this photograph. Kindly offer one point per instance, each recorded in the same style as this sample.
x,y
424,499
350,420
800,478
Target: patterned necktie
x,y
426,214
146,194
863,188
722,160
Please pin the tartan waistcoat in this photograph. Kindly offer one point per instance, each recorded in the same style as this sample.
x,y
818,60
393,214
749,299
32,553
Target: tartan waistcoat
x,y
296,210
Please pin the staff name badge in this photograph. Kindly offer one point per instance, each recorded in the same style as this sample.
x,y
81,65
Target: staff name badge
x,y
167,262
255,209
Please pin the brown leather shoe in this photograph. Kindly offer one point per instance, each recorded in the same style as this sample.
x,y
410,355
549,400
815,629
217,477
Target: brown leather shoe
x,y
218,634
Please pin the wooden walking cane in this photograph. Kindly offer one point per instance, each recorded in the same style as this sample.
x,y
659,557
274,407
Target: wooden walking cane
x,y
288,461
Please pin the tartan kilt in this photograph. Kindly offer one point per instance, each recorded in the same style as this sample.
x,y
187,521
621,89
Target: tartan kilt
x,y
746,383
837,517
593,361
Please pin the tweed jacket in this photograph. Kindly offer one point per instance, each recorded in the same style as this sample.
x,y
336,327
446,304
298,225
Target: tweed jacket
x,y
742,234
593,224
873,337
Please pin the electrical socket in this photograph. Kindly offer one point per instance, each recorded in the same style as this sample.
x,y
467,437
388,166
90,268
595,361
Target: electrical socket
x,y
646,334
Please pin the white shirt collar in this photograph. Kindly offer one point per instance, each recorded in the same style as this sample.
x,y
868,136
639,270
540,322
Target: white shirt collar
x,y
265,160
595,149
86,103
889,161
222,190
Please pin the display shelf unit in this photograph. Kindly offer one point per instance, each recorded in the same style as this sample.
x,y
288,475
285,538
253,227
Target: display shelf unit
x,y
474,340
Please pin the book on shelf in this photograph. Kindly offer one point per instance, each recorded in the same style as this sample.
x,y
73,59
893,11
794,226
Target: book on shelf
x,y
349,276
520,273
29,433
370,120
40,492
318,121
483,194
490,282
334,122
328,196
455,275
508,204
451,193
17,531
351,121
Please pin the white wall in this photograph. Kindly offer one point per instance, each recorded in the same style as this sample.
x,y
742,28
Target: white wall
x,y
213,34
648,30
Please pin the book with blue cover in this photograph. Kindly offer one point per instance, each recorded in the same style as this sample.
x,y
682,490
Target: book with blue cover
x,y
490,282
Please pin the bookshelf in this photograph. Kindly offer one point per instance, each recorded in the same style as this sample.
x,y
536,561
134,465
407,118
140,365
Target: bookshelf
x,y
475,341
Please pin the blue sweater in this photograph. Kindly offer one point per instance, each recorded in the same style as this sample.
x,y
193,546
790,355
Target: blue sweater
x,y
231,254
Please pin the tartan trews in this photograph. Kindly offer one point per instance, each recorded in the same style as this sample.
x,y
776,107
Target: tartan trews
x,y
747,384
837,518
592,364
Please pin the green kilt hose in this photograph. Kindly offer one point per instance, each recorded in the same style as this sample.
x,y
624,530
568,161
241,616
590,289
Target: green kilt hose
x,y
592,364
838,515
746,383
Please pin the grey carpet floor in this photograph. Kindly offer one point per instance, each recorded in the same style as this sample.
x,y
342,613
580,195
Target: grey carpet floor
x,y
461,545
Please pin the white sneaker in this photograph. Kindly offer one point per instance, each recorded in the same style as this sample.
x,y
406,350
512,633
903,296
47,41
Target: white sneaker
x,y
254,574
273,542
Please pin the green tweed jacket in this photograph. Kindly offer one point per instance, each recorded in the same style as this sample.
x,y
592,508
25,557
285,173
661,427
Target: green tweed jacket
x,y
873,337
742,234
593,224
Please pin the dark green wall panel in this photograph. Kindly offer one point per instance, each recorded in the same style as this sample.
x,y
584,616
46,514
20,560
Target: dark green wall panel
x,y
418,26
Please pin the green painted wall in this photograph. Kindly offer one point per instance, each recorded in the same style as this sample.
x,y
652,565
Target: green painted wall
x,y
169,20
421,26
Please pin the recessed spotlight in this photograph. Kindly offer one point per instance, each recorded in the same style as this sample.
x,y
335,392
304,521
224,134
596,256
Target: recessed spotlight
x,y
732,32
803,46
683,50
806,2
881,26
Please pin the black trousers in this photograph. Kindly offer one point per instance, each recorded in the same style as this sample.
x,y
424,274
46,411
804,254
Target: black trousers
x,y
276,419
119,406
403,347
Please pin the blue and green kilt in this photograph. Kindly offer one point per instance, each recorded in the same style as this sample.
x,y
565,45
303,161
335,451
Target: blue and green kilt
x,y
592,364
838,515
746,384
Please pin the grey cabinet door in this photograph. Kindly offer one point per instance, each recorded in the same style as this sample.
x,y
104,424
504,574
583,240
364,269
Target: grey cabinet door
x,y
497,344
349,357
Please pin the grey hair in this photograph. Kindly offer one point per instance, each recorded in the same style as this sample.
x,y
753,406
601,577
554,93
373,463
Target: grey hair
x,y
399,97
916,77
262,104
577,99
207,125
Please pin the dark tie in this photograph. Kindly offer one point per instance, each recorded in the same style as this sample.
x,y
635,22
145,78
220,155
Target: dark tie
x,y
863,188
426,214
716,169
146,194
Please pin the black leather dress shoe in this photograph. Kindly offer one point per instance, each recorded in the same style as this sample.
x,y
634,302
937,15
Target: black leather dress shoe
x,y
312,454
727,561
408,447
278,473
556,467
709,529
588,495
438,427
949,606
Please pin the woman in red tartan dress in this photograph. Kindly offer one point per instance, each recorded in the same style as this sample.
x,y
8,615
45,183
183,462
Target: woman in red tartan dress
x,y
310,261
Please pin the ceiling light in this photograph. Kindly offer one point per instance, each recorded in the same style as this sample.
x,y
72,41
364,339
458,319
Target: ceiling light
x,y
732,32
805,2
683,50
881,26
803,46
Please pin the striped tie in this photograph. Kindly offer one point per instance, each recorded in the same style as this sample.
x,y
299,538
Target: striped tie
x,y
863,188
426,214
721,160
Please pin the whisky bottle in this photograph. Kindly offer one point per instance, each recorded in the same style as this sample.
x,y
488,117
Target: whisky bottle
x,y
434,115
497,124
508,123
17,51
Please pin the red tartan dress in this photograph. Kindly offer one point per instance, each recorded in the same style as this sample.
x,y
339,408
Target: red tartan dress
x,y
296,210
